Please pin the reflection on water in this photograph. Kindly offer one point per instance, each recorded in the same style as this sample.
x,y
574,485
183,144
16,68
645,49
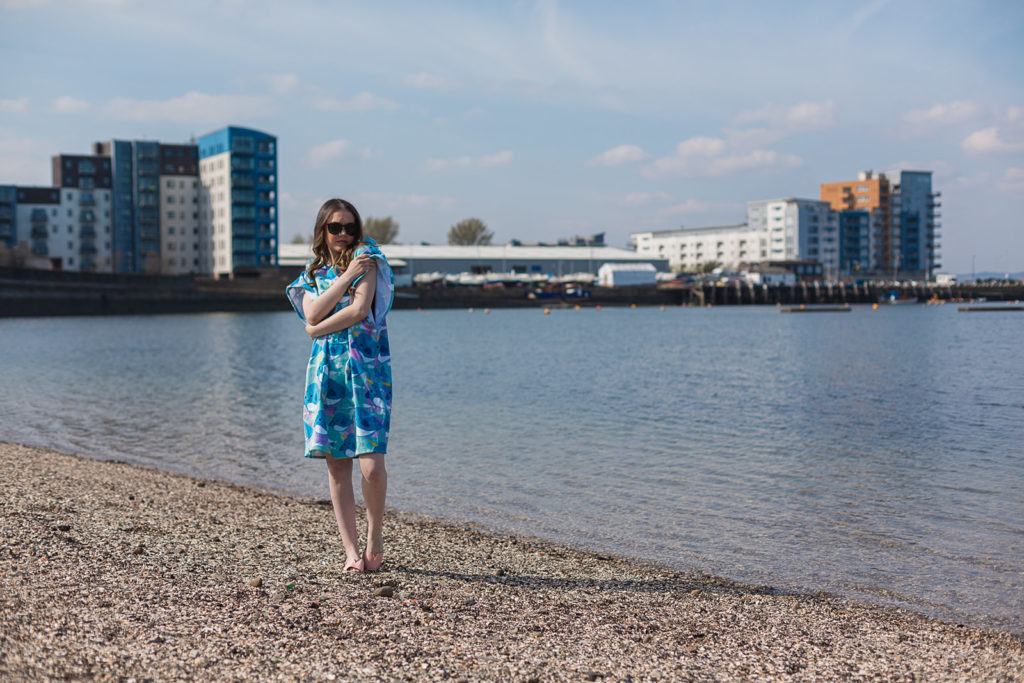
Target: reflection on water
x,y
876,454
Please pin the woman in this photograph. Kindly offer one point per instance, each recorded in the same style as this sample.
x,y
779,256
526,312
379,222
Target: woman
x,y
343,296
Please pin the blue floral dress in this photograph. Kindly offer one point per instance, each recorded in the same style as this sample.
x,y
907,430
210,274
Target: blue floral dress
x,y
347,407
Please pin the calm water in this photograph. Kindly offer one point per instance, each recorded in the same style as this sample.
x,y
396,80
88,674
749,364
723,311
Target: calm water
x,y
876,454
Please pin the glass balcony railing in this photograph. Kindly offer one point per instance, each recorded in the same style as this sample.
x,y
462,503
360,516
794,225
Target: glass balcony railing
x,y
39,248
87,233
242,180
39,232
87,249
242,146
87,216
241,163
38,216
242,197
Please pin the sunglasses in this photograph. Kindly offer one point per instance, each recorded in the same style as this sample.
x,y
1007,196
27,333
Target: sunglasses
x,y
352,229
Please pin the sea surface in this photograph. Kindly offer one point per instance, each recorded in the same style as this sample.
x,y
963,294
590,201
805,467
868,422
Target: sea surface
x,y
876,454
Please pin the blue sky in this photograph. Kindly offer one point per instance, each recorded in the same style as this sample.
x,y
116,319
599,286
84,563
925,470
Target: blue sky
x,y
545,119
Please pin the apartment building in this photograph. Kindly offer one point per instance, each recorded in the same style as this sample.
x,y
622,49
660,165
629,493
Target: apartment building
x,y
689,249
238,199
80,234
798,229
142,206
902,232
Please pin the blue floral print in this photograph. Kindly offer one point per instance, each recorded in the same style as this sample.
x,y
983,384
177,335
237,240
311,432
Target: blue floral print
x,y
347,405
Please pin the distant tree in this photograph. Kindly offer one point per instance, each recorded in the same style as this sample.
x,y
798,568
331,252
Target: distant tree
x,y
383,230
470,231
709,266
298,239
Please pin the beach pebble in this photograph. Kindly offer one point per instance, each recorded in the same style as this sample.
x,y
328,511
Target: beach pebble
x,y
256,583
384,592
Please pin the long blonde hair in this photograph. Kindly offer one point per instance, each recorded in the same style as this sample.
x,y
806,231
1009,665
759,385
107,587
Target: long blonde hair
x,y
322,254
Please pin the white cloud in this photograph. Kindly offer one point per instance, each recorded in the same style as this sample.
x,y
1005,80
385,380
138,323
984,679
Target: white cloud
x,y
14,106
1015,114
335,150
1012,180
69,105
281,84
329,151
192,107
943,114
623,154
499,159
485,161
643,198
707,156
798,117
427,81
990,141
363,101
700,146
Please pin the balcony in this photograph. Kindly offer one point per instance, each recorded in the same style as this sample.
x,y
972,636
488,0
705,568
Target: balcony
x,y
243,245
87,217
266,165
242,180
86,199
39,248
243,212
6,231
87,249
242,146
87,232
242,164
149,236
242,197
243,228
267,180
38,216
39,232
267,212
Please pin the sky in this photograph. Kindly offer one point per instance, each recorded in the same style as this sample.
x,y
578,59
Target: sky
x,y
545,118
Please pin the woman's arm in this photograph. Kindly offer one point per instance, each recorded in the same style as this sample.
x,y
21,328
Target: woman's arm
x,y
316,308
351,314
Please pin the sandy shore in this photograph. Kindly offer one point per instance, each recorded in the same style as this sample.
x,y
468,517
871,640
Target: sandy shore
x,y
114,569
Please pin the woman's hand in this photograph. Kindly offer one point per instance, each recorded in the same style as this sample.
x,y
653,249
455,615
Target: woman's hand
x,y
359,265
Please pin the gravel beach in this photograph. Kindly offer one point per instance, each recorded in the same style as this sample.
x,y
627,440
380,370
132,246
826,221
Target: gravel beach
x,y
109,569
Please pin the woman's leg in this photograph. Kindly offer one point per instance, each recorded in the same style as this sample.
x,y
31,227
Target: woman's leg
x,y
339,474
375,487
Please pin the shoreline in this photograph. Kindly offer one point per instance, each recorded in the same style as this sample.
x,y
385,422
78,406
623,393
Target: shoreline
x,y
109,567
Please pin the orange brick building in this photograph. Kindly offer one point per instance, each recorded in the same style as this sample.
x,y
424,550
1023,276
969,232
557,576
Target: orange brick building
x,y
870,192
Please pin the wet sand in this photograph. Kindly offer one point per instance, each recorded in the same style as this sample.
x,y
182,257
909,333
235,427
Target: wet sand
x,y
109,568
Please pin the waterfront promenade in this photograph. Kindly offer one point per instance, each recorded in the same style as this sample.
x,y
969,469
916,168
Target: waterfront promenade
x,y
108,568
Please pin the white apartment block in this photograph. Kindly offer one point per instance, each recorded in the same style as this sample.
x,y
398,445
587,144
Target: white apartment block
x,y
687,249
179,225
798,229
215,213
67,228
